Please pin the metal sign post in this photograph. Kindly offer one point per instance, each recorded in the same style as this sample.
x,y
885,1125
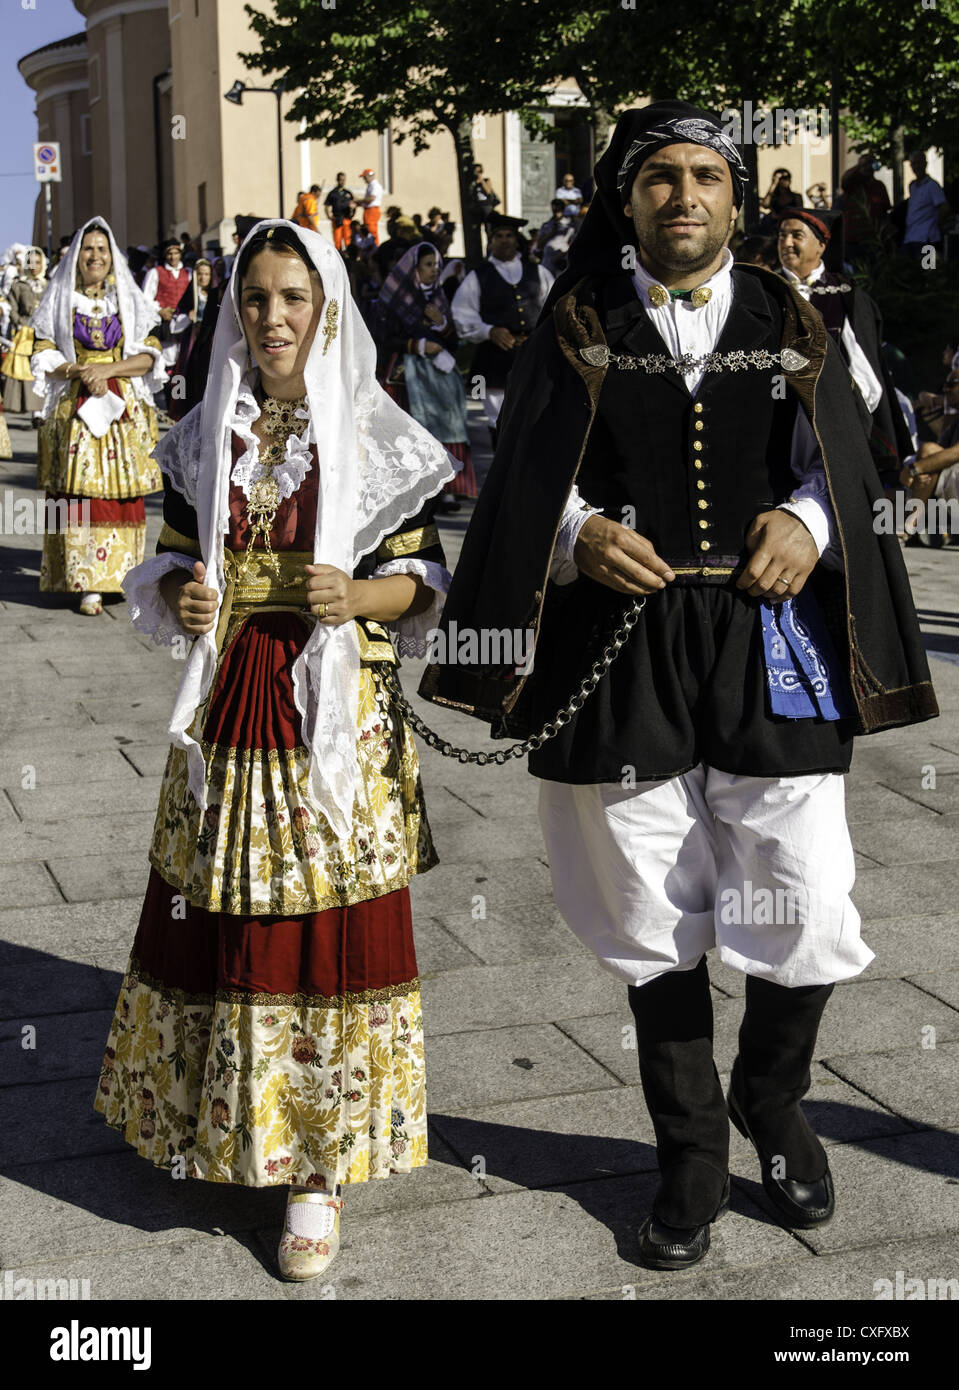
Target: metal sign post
x,y
47,170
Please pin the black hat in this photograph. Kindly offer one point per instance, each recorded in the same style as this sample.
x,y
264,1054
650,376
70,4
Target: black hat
x,y
499,221
639,133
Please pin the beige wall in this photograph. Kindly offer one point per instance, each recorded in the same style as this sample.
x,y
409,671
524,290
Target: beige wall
x,y
197,97
58,78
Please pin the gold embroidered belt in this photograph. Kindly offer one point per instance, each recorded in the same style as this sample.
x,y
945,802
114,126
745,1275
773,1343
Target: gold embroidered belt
x,y
88,356
259,586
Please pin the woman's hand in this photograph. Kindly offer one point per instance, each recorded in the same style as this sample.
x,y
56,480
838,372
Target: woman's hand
x,y
334,597
432,349
433,314
95,377
193,602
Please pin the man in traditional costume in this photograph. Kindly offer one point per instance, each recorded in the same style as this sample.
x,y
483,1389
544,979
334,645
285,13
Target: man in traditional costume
x,y
703,405
855,326
497,306
165,285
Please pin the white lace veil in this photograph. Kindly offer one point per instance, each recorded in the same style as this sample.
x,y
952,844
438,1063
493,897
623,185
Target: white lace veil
x,y
53,316
377,467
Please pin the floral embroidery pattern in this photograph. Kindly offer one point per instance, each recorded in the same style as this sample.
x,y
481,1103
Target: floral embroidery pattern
x,y
255,1095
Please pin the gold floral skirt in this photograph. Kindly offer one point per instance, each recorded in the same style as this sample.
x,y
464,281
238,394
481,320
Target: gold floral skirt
x,y
269,1027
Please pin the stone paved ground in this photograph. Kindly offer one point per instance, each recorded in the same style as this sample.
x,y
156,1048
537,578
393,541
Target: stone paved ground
x,y
542,1158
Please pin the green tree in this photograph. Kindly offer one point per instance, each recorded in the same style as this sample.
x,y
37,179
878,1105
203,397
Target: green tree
x,y
433,66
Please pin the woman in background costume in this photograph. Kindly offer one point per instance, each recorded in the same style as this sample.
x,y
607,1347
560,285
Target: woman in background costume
x,y
269,1028
416,337
96,365
23,297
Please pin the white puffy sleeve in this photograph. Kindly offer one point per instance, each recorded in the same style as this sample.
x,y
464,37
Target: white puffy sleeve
x,y
410,635
149,611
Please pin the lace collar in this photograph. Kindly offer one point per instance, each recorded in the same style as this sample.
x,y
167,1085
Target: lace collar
x,y
106,303
297,460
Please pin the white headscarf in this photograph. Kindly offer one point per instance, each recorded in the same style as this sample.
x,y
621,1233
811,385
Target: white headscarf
x,y
377,468
53,316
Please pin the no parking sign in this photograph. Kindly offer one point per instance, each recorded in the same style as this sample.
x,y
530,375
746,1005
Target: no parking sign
x,y
46,162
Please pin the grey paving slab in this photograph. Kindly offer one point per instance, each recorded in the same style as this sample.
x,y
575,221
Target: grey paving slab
x,y
148,759
526,992
62,1046
888,1189
86,835
863,1274
437,950
504,1064
922,1085
559,1243
74,930
95,875
211,1267
942,984
881,1016
451,887
53,1120
51,986
60,769
892,892
26,884
47,806
890,842
527,931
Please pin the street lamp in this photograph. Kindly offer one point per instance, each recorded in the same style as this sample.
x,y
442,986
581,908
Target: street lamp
x,y
235,94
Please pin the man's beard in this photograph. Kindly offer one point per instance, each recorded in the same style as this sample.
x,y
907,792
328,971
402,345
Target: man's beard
x,y
680,256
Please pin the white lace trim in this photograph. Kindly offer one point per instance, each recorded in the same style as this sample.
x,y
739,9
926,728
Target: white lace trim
x,y
410,635
247,470
149,611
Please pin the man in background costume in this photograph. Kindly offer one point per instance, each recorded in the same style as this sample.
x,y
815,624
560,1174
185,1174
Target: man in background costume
x,y
855,326
688,398
497,306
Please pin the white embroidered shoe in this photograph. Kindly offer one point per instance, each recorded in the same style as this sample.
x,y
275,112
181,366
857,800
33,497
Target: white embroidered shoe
x,y
91,604
311,1234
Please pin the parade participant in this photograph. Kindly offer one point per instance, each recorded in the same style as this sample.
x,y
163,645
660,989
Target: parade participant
x,y
6,448
497,305
370,203
187,325
96,365
165,284
414,331
23,297
687,397
291,816
855,325
339,204
11,265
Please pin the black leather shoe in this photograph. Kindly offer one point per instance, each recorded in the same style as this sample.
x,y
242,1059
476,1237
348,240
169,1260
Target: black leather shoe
x,y
675,1247
800,1204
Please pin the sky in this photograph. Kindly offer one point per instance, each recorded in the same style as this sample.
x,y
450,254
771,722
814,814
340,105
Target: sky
x,y
21,31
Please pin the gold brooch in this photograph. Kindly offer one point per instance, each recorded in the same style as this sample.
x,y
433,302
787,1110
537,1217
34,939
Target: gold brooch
x,y
330,323
658,296
700,297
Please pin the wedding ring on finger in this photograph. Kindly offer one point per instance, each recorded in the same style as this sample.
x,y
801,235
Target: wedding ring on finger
x,y
782,580
322,612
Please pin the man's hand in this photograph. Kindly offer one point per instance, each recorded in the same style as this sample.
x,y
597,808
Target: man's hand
x,y
617,557
166,314
502,338
782,556
332,595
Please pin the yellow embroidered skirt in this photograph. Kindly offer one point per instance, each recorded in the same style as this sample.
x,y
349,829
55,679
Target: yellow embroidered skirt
x,y
96,488
269,1027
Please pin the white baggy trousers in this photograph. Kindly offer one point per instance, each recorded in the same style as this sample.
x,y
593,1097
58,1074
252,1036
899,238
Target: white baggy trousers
x,y
759,868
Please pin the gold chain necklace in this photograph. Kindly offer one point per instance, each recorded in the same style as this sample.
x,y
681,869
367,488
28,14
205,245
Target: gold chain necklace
x,y
279,422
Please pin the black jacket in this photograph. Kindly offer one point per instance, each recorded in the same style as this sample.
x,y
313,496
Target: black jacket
x,y
501,579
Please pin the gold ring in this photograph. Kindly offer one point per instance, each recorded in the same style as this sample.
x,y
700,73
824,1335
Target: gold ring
x,y
322,610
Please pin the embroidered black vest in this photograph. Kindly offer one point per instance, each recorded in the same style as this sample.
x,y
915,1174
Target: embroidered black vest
x,y
690,473
503,305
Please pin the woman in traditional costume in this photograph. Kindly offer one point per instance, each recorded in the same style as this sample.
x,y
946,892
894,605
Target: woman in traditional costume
x,y
187,324
96,366
23,297
269,1028
415,333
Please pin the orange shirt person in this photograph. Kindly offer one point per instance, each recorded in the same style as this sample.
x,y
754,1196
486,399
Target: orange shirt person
x,y
305,214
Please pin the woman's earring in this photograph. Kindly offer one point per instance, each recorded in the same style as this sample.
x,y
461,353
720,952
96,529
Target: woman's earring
x,y
331,323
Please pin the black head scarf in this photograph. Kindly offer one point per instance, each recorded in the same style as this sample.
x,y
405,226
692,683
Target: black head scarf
x,y
598,246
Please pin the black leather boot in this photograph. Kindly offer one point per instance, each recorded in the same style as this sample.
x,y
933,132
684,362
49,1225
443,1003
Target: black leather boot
x,y
770,1076
674,1034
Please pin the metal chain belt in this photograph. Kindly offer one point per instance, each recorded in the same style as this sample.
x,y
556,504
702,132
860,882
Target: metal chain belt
x,y
549,730
789,359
